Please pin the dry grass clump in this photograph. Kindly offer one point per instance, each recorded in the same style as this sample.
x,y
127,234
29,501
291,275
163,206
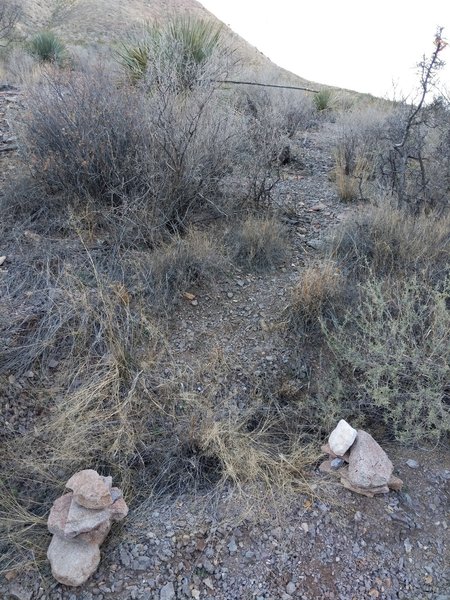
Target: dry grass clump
x,y
386,241
183,265
258,243
316,297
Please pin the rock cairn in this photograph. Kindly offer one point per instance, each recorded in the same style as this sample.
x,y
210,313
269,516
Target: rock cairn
x,y
361,463
80,522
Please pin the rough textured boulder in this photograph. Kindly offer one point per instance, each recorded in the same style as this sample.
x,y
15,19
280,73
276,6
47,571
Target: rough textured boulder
x,y
342,438
369,465
72,561
78,531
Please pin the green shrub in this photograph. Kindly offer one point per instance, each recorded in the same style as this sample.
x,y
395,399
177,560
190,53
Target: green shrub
x,y
47,47
393,355
134,59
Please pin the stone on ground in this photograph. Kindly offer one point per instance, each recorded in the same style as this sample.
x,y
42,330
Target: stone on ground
x,y
369,465
78,530
72,561
90,489
342,438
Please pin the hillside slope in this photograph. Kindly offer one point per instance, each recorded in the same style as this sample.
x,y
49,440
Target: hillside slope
x,y
89,22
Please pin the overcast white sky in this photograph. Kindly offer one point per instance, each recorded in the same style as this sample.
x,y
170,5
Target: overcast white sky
x,y
355,44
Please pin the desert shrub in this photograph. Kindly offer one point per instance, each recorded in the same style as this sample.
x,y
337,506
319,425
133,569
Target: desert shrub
x,y
257,243
21,67
322,100
385,241
316,298
359,143
134,59
393,355
290,111
144,161
47,47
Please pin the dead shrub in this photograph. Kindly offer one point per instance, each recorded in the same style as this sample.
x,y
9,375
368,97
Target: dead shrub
x,y
317,297
385,240
257,243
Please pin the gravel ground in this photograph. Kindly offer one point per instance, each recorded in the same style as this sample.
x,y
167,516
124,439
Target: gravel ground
x,y
333,544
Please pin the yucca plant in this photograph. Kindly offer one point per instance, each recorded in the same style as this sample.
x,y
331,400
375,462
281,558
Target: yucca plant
x,y
181,48
322,100
47,47
134,58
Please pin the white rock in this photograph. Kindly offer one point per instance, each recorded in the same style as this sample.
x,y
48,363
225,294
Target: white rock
x,y
2,260
342,438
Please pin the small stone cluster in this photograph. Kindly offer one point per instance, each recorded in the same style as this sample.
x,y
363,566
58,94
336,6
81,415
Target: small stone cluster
x,y
359,460
80,522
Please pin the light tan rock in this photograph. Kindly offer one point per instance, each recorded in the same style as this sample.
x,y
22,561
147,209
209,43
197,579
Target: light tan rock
x,y
82,520
90,489
57,521
369,492
341,438
395,483
72,561
369,465
58,515
118,510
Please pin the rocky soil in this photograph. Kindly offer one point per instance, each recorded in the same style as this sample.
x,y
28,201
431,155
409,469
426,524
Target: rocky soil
x,y
330,544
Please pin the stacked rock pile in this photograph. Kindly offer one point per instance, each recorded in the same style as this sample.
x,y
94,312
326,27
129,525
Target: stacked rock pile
x,y
361,463
80,522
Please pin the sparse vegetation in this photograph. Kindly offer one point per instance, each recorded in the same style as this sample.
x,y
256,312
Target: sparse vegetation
x,y
384,324
152,197
10,13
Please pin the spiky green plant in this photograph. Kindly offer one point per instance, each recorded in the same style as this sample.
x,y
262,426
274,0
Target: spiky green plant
x,y
134,58
322,99
181,48
47,47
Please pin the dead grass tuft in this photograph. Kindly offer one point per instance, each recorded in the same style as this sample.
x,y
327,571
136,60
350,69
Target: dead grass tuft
x,y
316,297
384,240
258,243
